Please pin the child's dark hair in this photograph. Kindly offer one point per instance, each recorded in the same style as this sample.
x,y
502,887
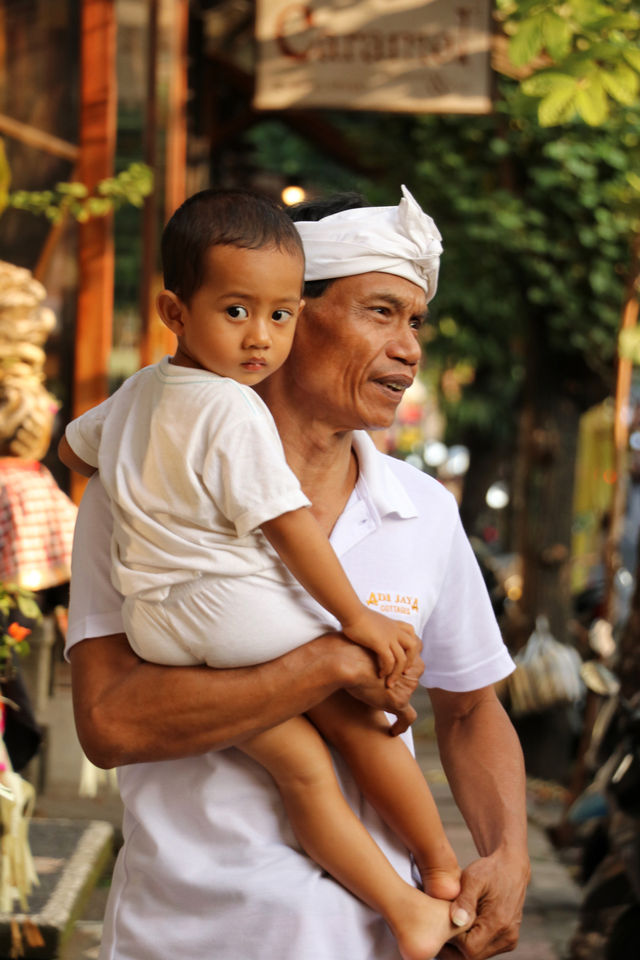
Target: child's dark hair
x,y
236,218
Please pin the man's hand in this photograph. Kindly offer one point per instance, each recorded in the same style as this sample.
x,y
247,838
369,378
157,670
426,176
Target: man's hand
x,y
493,892
393,641
372,689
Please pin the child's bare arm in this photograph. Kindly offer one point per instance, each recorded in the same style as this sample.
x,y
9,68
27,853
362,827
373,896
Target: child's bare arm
x,y
72,460
305,550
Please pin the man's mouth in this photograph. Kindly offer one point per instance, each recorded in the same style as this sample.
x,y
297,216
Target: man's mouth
x,y
395,383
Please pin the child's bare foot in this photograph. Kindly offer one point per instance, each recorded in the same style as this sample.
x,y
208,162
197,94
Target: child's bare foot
x,y
423,925
443,884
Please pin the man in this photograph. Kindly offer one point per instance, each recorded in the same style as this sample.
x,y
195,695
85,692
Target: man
x,y
210,866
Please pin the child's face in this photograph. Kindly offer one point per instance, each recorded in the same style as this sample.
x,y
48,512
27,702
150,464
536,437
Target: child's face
x,y
240,323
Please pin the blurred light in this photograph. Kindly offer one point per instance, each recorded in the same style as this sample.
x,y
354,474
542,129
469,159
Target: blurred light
x,y
292,194
624,578
414,460
457,462
31,579
513,586
497,496
610,476
634,440
435,453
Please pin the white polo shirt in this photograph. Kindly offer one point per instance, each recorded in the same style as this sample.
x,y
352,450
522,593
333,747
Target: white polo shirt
x,y
210,869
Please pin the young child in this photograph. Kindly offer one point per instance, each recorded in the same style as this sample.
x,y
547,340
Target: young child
x,y
210,524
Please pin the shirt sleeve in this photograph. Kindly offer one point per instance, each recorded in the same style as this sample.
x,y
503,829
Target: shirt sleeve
x,y
84,433
248,475
462,645
95,605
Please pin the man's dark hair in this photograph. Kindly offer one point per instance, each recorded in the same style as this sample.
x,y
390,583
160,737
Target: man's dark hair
x,y
236,218
318,210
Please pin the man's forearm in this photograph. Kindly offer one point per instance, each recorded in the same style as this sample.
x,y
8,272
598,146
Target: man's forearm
x,y
483,762
130,711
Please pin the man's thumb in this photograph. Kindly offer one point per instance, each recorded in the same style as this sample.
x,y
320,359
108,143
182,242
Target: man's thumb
x,y
460,916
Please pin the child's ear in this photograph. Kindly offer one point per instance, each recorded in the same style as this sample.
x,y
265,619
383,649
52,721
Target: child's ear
x,y
170,310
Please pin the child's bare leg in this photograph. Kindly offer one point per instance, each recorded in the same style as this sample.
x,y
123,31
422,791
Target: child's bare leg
x,y
299,761
392,781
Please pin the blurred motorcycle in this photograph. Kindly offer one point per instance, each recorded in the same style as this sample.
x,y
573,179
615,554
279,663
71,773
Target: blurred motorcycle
x,y
608,816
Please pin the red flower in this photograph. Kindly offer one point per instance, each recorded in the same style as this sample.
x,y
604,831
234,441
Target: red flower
x,y
17,632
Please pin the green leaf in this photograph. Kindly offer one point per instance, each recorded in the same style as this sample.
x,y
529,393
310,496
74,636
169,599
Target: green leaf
x,y
28,607
557,36
527,42
632,56
558,106
621,84
540,84
78,190
615,21
99,206
591,102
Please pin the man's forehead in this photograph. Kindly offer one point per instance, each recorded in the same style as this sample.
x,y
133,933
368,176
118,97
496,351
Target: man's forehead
x,y
386,286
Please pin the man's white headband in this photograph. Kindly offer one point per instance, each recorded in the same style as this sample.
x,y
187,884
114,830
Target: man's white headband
x,y
400,240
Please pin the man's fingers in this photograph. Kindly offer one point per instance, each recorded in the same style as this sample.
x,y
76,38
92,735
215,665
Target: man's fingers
x,y
460,916
481,941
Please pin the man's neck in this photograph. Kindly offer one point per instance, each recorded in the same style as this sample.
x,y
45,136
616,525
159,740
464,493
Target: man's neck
x,y
321,458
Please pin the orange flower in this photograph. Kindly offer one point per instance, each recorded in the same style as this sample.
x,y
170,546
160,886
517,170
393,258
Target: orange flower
x,y
17,632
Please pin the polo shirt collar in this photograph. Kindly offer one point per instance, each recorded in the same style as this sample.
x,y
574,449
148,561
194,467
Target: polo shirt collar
x,y
377,483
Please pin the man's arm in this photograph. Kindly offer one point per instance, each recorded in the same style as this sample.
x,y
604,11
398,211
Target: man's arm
x,y
483,762
130,711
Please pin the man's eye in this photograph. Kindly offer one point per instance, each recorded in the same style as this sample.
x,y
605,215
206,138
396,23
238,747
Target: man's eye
x,y
236,312
281,316
416,323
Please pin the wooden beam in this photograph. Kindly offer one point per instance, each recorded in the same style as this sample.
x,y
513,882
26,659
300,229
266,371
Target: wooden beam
x,y
150,211
176,179
33,137
98,101
157,340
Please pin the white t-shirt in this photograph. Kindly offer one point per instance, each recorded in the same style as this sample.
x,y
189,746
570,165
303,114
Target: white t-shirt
x,y
193,465
210,868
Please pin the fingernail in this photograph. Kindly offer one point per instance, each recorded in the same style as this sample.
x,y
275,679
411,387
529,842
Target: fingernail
x,y
460,917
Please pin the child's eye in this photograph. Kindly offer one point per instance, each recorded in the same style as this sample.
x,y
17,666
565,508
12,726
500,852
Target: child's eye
x,y
236,312
281,316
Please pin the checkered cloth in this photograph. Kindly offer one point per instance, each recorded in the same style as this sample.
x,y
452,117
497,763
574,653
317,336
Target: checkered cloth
x,y
36,526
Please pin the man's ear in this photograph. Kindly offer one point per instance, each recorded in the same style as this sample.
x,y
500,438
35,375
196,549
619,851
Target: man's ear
x,y
171,310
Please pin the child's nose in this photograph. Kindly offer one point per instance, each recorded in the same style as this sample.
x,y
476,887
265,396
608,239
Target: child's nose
x,y
258,334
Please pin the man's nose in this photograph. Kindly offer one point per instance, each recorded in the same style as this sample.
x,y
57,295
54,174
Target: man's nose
x,y
405,347
257,334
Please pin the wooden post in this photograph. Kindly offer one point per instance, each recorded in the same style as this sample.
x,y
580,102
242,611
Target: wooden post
x,y
150,211
157,340
176,180
621,432
98,101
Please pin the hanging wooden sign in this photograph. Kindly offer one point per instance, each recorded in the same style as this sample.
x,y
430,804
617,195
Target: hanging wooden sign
x,y
388,55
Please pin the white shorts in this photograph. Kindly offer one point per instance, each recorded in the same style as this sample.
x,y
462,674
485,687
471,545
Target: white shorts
x,y
224,622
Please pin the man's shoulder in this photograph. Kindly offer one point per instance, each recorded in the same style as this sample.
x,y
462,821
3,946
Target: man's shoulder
x,y
423,489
